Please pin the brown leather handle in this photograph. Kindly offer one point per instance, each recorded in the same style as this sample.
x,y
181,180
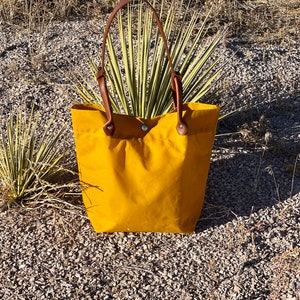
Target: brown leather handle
x,y
176,84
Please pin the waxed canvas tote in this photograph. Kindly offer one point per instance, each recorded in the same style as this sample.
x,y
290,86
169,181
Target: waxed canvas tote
x,y
143,175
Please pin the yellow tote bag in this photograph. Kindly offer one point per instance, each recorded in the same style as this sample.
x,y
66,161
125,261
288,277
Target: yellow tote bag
x,y
143,175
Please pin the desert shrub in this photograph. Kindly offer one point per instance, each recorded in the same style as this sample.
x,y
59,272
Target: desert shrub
x,y
137,68
30,158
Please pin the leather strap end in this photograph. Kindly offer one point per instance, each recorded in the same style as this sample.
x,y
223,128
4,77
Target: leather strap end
x,y
182,128
176,83
109,128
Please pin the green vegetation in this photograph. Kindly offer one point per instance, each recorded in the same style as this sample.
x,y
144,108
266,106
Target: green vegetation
x,y
29,161
140,81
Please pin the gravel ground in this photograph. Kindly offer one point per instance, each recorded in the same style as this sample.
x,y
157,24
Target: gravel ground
x,y
247,242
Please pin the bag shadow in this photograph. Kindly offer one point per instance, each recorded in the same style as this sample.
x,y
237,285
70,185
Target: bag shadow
x,y
245,177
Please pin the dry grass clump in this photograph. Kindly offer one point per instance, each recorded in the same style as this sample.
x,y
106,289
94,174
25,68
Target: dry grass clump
x,y
276,21
259,20
286,270
33,13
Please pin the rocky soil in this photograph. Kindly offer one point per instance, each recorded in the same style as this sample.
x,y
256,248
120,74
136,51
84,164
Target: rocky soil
x,y
247,242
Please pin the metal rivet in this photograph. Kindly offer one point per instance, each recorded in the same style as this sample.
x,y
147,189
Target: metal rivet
x,y
144,127
180,126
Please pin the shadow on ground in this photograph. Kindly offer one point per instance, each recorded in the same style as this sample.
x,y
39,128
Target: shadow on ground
x,y
248,173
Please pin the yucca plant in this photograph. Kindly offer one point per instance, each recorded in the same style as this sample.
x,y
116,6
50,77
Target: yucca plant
x,y
139,82
29,159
